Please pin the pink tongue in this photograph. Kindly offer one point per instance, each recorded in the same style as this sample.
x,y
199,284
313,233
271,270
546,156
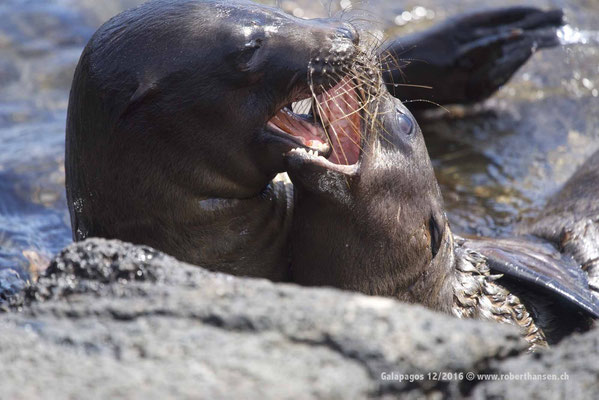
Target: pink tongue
x,y
309,134
339,110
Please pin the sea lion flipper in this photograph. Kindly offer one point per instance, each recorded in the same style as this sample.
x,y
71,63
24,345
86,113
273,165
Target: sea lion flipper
x,y
540,265
467,58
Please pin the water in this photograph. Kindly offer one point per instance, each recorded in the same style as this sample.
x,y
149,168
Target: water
x,y
496,162
569,35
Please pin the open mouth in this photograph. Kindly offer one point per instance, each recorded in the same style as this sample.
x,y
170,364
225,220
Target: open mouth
x,y
328,126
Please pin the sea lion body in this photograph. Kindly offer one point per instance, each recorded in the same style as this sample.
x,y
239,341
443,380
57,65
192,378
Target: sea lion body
x,y
378,227
169,141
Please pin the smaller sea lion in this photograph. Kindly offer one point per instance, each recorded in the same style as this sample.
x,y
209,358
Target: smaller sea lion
x,y
377,225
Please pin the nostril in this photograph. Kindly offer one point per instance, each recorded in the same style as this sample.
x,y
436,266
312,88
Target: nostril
x,y
347,31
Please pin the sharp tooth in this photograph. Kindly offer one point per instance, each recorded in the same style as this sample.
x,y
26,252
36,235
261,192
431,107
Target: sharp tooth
x,y
302,106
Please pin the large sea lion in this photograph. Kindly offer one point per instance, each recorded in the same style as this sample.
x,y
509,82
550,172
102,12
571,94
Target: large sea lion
x,y
177,122
375,223
179,115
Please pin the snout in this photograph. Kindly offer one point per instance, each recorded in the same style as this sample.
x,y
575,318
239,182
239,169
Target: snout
x,y
337,50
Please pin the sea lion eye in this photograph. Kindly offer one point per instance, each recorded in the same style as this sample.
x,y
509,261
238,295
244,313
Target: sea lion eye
x,y
244,57
248,51
254,44
405,124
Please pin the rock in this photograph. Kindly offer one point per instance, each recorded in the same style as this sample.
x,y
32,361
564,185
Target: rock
x,y
569,371
110,319
11,284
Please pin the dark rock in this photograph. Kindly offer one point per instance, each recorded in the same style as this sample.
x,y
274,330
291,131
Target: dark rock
x,y
110,319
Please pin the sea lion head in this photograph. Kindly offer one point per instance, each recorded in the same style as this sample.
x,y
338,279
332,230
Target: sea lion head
x,y
184,100
372,219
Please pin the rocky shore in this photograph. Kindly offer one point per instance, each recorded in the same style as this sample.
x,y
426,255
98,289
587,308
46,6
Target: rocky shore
x,y
113,320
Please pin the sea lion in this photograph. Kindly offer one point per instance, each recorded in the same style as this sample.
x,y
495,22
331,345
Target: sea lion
x,y
177,122
376,224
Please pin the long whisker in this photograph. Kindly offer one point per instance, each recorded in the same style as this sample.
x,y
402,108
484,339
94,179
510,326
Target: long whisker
x,y
427,101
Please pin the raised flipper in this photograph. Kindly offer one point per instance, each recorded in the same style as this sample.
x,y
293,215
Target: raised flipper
x,y
537,265
466,58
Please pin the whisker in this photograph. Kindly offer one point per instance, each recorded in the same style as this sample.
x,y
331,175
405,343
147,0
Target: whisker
x,y
412,85
427,101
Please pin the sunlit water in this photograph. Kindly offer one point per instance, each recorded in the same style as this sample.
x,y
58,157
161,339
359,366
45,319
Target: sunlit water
x,y
569,35
496,162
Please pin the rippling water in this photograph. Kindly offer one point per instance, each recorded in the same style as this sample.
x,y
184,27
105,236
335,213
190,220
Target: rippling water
x,y
496,162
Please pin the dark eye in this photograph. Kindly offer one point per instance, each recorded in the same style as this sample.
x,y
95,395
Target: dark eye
x,y
405,123
245,56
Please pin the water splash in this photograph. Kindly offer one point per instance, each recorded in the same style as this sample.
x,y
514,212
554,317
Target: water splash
x,y
569,35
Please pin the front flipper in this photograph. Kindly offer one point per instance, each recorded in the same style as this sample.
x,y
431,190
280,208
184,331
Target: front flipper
x,y
467,58
538,265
